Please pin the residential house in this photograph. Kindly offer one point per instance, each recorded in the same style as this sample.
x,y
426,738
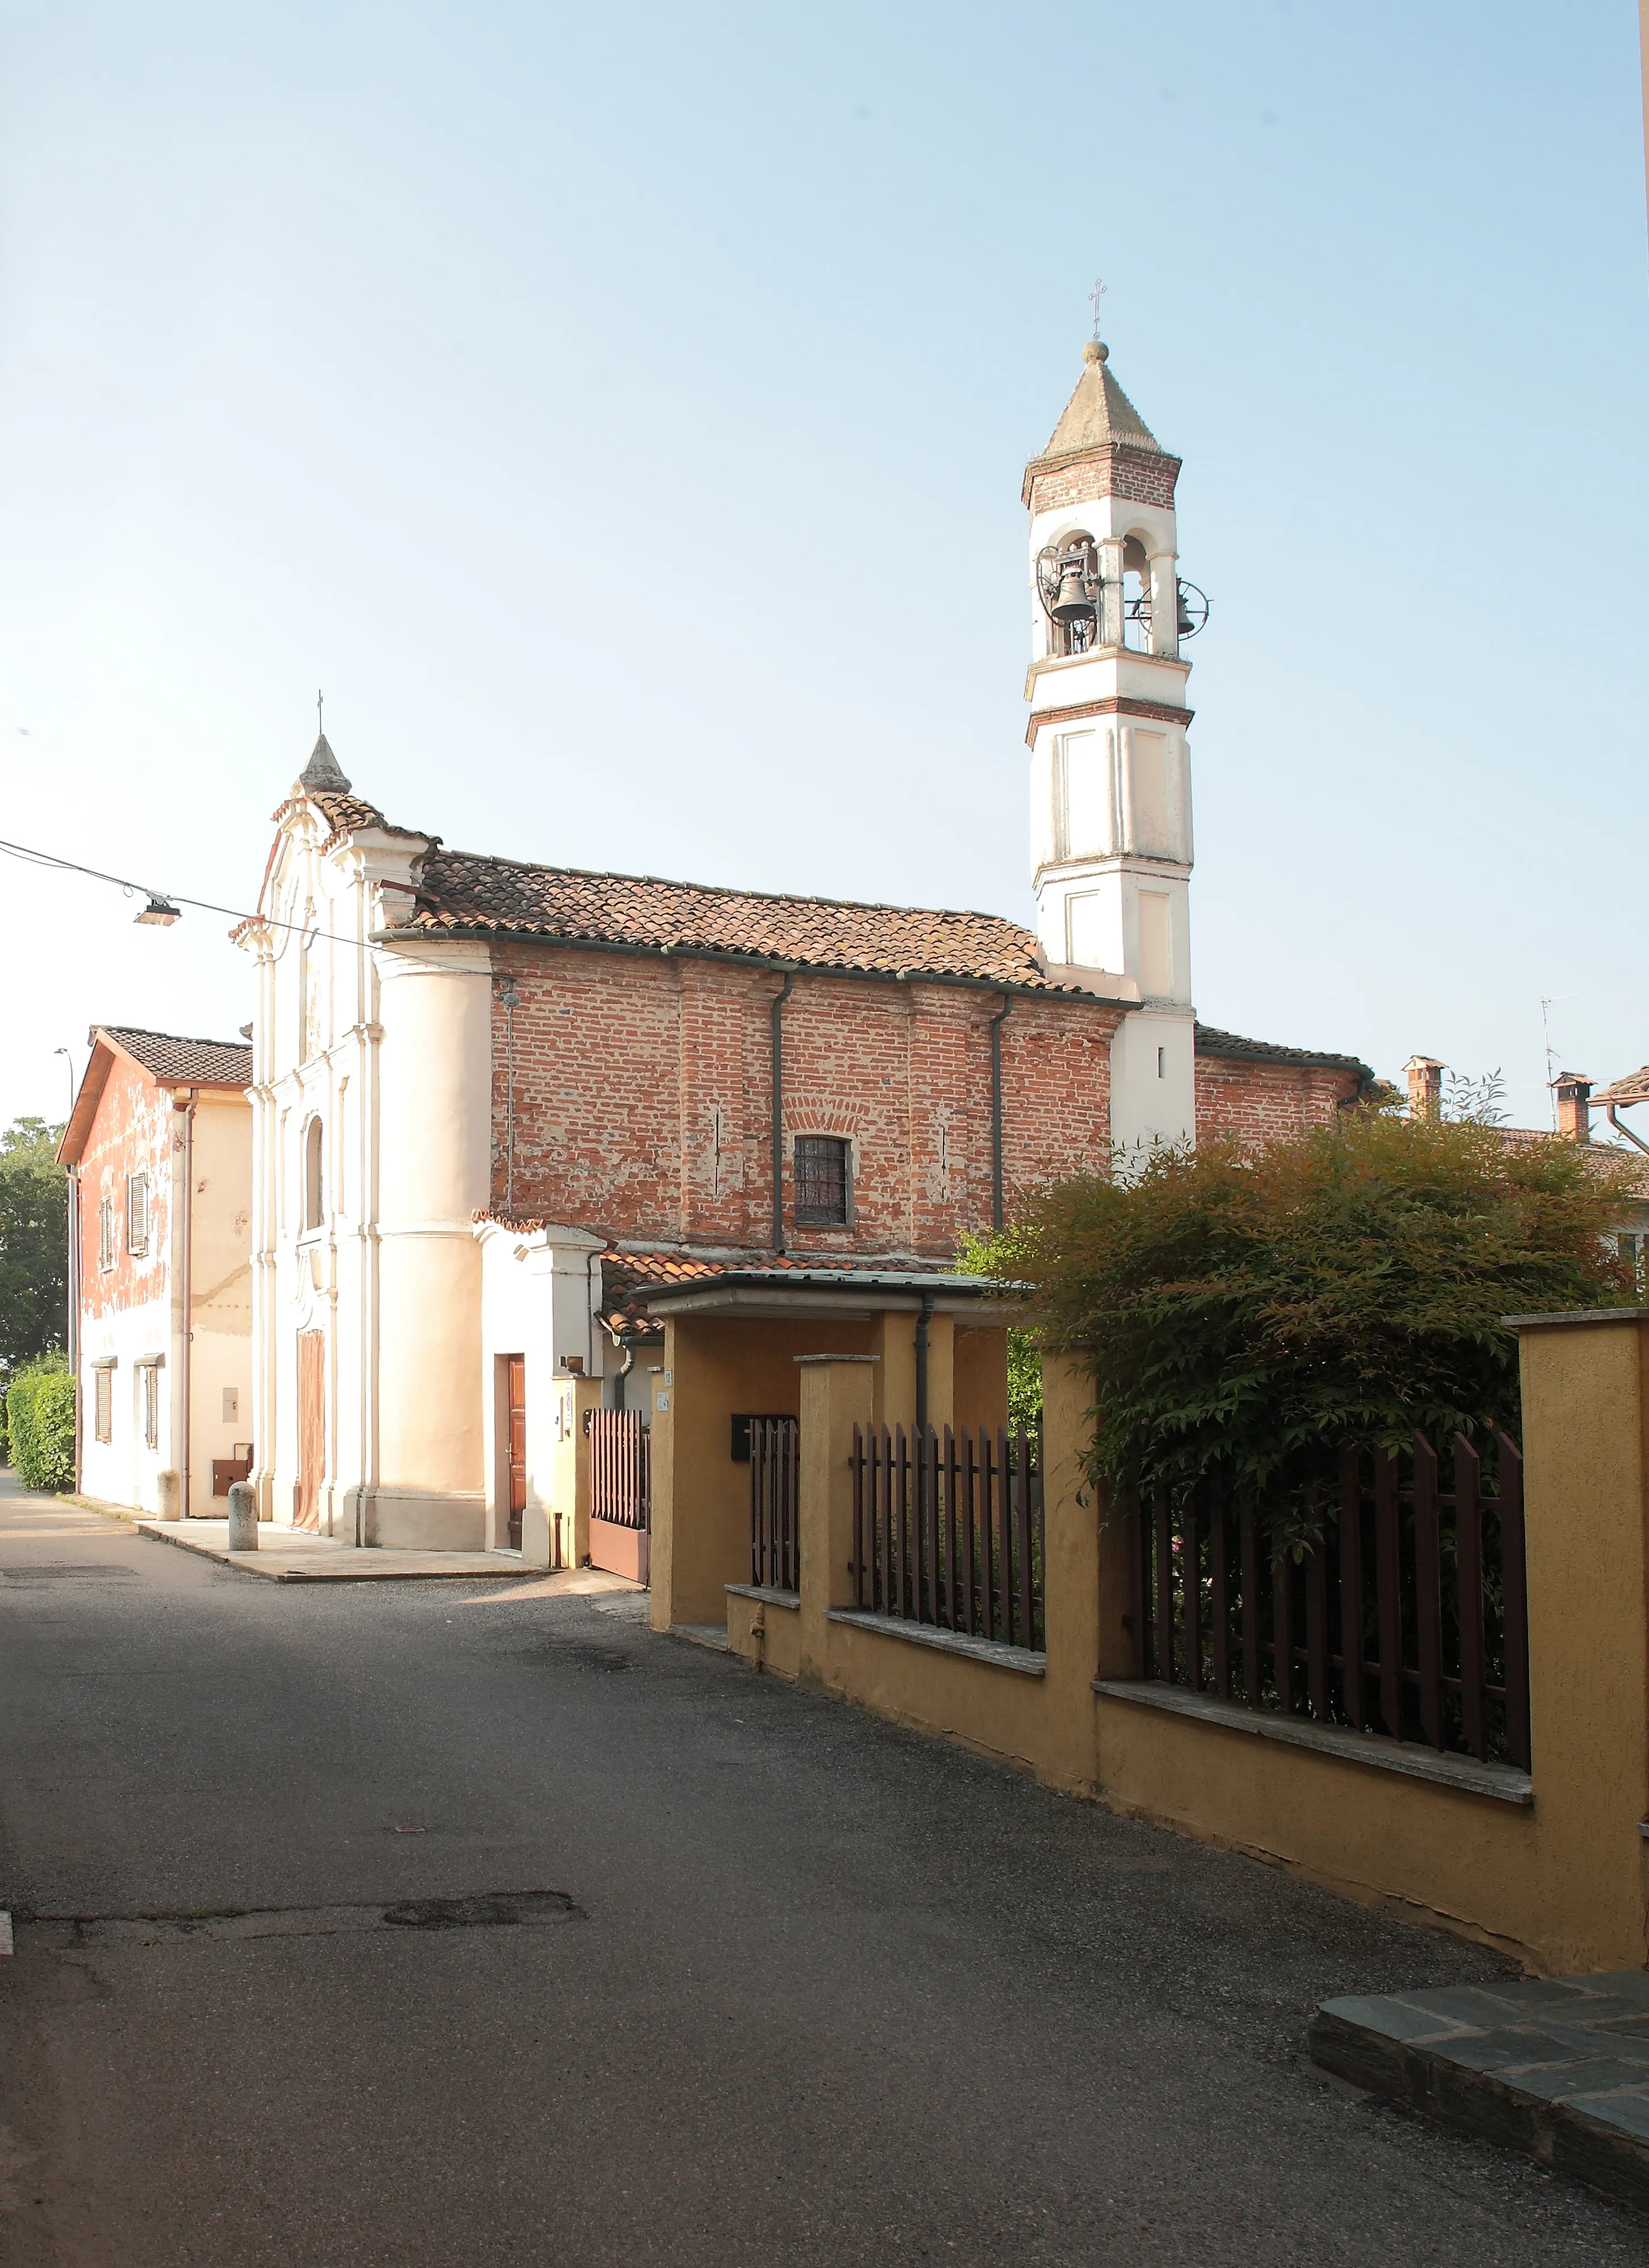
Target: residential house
x,y
158,1148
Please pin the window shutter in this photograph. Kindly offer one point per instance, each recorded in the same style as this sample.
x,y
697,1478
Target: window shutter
x,y
106,1233
105,1402
137,1213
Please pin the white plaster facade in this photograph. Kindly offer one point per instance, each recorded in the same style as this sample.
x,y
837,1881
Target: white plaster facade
x,y
1110,775
365,1236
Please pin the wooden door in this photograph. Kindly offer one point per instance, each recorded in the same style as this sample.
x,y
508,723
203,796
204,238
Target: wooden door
x,y
312,1428
518,1447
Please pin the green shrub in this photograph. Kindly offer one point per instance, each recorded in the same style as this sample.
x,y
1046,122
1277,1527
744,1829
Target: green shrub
x,y
1025,1382
41,1422
1255,1308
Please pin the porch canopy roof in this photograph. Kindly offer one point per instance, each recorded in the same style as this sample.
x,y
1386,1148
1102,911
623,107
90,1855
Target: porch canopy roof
x,y
848,1294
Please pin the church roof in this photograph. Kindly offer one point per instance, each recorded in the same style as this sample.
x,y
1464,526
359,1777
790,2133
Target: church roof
x,y
1099,415
1231,1045
462,894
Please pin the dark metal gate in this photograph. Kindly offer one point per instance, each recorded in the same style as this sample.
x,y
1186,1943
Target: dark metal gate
x,y
775,1487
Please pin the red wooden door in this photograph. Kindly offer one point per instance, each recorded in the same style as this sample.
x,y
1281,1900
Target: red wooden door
x,y
312,1428
518,1447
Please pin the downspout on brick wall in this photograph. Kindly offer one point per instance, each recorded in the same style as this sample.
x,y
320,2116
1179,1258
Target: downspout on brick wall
x,y
996,1021
777,1011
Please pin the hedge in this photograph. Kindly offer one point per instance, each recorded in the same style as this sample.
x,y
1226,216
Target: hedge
x,y
41,1421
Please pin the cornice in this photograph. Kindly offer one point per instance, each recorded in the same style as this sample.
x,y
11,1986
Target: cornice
x,y
1115,704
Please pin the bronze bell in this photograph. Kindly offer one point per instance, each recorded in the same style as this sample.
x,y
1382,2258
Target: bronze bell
x,y
1072,604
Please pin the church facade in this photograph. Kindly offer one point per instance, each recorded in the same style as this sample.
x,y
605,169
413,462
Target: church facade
x,y
499,1106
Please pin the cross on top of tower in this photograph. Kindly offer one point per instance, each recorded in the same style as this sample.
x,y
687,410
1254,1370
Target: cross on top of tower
x,y
1096,296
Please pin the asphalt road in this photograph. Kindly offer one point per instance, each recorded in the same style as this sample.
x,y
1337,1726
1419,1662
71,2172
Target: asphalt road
x,y
798,1987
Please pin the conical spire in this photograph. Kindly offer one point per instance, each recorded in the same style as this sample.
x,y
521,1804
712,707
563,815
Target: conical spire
x,y
1099,415
322,773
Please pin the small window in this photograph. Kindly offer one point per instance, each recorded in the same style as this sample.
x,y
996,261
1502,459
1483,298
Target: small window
x,y
150,1374
312,1184
137,1213
105,1241
821,1182
104,1409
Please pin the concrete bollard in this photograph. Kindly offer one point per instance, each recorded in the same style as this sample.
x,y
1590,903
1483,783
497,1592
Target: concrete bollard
x,y
169,1495
243,1516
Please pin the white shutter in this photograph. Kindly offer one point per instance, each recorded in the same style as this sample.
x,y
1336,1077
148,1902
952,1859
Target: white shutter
x,y
137,1213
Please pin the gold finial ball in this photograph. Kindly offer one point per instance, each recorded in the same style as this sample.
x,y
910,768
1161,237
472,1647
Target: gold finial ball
x,y
1096,350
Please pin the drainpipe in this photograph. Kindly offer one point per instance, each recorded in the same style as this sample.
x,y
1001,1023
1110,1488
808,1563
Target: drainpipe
x,y
1608,1112
996,1022
512,1000
624,1369
924,1315
74,1309
777,1011
185,1270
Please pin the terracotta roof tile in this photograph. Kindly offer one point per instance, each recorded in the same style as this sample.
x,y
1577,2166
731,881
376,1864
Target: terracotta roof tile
x,y
347,814
461,891
1229,1044
192,1063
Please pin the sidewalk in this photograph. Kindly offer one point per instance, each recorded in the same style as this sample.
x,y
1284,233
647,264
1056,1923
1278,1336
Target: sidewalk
x,y
290,1555
1557,2067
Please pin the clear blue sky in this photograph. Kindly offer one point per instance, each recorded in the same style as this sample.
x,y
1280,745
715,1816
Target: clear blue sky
x,y
621,413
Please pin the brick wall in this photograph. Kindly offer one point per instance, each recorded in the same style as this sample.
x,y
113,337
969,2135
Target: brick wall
x,y
643,1098
1136,473
1258,1100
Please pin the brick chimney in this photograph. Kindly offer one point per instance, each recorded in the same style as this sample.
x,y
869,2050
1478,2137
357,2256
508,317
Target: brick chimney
x,y
1426,1087
1573,1090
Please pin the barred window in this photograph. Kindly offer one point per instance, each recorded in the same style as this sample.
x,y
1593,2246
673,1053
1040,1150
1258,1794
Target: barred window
x,y
104,1378
821,1182
106,1233
137,1213
151,1374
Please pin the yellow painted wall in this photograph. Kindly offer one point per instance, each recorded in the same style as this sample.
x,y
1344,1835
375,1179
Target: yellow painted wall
x,y
1563,1882
716,1364
982,1376
766,1636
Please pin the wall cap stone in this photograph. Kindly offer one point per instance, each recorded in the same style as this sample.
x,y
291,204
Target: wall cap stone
x,y
988,1650
1576,1316
838,1358
765,1595
1499,1781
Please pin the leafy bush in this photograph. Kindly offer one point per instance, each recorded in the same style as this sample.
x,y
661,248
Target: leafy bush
x,y
1254,1309
40,1420
1025,1382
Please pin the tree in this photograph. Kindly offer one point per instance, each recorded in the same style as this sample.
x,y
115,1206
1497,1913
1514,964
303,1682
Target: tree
x,y
33,1243
1255,1308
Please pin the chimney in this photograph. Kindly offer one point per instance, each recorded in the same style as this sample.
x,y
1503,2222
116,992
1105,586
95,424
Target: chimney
x,y
1573,1090
1426,1087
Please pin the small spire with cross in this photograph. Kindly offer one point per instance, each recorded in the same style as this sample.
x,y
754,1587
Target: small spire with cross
x,y
1096,296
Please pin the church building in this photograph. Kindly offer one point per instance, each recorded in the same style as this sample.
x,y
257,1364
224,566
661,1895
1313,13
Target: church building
x,y
506,1113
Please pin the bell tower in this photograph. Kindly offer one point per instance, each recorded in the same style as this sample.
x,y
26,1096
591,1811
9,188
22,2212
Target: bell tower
x,y
1110,773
